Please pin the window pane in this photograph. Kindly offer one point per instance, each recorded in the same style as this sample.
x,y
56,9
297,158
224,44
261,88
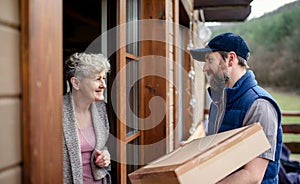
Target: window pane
x,y
132,27
132,100
132,154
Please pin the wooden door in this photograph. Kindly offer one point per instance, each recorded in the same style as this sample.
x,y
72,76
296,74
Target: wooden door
x,y
127,90
143,128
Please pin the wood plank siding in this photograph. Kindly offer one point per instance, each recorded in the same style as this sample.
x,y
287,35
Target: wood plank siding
x,y
10,93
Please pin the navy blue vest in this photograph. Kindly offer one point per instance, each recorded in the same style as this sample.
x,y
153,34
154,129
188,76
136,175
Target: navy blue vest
x,y
239,99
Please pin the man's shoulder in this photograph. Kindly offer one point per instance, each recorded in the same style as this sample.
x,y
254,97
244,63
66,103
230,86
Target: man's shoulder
x,y
262,104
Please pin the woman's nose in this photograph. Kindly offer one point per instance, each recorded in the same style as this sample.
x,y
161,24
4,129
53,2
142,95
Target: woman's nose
x,y
103,84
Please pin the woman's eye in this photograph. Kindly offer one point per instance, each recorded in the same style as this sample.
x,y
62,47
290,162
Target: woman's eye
x,y
101,78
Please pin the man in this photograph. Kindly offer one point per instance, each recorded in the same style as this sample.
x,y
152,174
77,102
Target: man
x,y
237,101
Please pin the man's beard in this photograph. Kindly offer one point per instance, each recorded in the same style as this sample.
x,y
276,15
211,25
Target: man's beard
x,y
217,82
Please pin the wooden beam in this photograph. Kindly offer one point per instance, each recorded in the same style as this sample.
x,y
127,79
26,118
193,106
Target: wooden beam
x,y
227,14
200,4
291,128
41,55
291,113
121,93
188,6
293,146
175,94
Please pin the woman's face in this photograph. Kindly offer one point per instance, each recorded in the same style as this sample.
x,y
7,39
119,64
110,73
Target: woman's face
x,y
93,87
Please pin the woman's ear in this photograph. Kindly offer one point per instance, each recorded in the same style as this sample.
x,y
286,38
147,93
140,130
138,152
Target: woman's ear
x,y
75,83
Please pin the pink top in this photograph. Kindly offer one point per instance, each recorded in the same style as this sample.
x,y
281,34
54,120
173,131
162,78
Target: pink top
x,y
87,145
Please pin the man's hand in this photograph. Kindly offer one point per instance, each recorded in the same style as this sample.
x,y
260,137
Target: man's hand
x,y
252,172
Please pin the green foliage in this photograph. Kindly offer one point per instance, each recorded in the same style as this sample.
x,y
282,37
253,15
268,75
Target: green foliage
x,y
287,101
274,40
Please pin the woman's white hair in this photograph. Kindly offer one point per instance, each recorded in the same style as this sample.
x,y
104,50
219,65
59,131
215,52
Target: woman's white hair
x,y
82,65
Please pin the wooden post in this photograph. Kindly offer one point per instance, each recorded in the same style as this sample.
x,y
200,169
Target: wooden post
x,y
41,52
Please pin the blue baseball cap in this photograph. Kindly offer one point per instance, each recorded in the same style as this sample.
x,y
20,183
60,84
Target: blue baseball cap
x,y
223,42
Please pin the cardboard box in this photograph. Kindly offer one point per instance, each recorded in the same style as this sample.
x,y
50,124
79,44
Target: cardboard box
x,y
205,160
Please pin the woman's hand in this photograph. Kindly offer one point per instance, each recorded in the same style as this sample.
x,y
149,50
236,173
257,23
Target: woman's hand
x,y
101,159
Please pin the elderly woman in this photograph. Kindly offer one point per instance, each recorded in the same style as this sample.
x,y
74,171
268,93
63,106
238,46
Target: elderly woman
x,y
85,123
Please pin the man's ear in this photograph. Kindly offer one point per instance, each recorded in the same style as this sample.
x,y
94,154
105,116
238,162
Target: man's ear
x,y
75,83
231,57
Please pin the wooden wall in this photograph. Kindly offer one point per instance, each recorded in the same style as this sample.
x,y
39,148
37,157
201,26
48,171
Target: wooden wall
x,y
153,86
163,58
10,93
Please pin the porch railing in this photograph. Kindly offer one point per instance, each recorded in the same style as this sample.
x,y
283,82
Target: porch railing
x,y
293,128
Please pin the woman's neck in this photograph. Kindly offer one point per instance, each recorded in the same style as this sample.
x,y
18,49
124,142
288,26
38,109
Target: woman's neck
x,y
81,105
82,111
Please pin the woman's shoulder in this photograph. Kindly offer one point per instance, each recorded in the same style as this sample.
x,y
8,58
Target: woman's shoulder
x,y
66,96
67,99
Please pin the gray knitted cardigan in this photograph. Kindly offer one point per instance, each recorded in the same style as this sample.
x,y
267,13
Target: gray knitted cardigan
x,y
72,153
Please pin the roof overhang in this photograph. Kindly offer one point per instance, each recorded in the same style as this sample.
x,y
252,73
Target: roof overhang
x,y
224,11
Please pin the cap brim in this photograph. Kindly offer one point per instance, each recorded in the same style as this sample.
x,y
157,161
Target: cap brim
x,y
199,54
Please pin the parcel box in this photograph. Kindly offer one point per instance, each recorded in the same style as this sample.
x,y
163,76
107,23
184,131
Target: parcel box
x,y
205,160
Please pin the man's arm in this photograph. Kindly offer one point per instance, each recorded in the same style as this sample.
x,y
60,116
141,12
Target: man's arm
x,y
252,172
